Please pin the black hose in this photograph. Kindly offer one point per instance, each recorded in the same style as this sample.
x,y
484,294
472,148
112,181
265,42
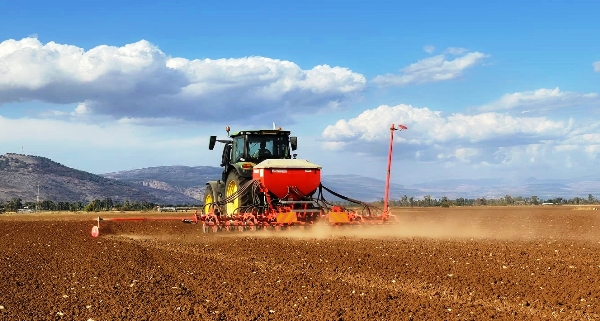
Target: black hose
x,y
366,206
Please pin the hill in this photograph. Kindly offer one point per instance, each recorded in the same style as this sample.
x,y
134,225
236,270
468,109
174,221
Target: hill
x,y
184,180
526,187
20,176
191,180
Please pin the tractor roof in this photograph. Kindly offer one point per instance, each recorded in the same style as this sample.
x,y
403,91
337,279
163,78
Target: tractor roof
x,y
260,132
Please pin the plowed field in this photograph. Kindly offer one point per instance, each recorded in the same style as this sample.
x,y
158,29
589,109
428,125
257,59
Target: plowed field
x,y
527,263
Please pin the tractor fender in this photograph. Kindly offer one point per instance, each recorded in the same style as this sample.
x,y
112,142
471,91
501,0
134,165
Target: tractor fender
x,y
246,173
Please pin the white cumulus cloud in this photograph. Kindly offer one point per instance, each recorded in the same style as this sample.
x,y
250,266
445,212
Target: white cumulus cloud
x,y
59,73
541,99
427,126
456,50
139,81
431,136
597,66
432,69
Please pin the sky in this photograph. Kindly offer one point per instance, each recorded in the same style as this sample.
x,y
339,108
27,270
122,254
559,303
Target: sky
x,y
486,90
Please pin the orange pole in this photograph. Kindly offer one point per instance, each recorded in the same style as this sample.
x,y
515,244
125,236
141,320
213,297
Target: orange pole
x,y
389,171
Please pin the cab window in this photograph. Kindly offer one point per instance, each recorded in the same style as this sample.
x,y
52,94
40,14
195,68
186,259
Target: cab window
x,y
238,148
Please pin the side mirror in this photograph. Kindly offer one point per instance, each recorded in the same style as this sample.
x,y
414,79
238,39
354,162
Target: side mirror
x,y
294,142
211,142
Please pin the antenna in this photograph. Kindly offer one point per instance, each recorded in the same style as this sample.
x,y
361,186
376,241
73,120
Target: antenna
x,y
274,126
22,148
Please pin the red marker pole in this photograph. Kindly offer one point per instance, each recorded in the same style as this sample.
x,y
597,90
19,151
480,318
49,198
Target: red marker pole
x,y
389,170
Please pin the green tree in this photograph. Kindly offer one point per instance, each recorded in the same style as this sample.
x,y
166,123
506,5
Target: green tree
x,y
591,199
107,204
13,204
126,206
93,206
47,205
404,201
75,206
62,206
427,200
534,200
30,205
445,202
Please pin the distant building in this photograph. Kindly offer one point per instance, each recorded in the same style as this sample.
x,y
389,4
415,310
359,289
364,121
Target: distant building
x,y
25,209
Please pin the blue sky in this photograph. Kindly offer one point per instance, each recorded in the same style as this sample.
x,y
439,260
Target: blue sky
x,y
487,90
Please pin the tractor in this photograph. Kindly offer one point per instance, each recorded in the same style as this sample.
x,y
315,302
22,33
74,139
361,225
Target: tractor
x,y
252,158
264,185
241,153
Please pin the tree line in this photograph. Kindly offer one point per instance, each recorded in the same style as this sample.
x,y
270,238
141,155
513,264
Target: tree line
x,y
428,201
107,204
97,205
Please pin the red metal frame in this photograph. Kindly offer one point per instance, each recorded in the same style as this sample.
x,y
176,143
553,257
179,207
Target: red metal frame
x,y
281,216
96,229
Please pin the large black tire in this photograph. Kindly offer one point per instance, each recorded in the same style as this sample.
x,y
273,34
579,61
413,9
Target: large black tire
x,y
209,198
232,186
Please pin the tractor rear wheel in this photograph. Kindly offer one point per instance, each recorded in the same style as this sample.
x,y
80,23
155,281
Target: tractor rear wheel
x,y
209,201
232,187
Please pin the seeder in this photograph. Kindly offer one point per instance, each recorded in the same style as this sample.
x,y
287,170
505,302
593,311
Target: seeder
x,y
264,186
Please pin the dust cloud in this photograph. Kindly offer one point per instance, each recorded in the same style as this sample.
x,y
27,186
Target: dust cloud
x,y
499,223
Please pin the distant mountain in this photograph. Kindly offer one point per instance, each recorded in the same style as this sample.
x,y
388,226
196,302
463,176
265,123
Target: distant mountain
x,y
185,180
494,188
20,176
363,188
190,181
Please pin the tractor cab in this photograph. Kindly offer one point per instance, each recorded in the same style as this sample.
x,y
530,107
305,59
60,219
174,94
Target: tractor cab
x,y
247,148
258,146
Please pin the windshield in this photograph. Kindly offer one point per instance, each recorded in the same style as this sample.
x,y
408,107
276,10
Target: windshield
x,y
268,147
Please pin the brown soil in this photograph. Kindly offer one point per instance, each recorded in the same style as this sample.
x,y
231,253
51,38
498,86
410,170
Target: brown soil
x,y
532,263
